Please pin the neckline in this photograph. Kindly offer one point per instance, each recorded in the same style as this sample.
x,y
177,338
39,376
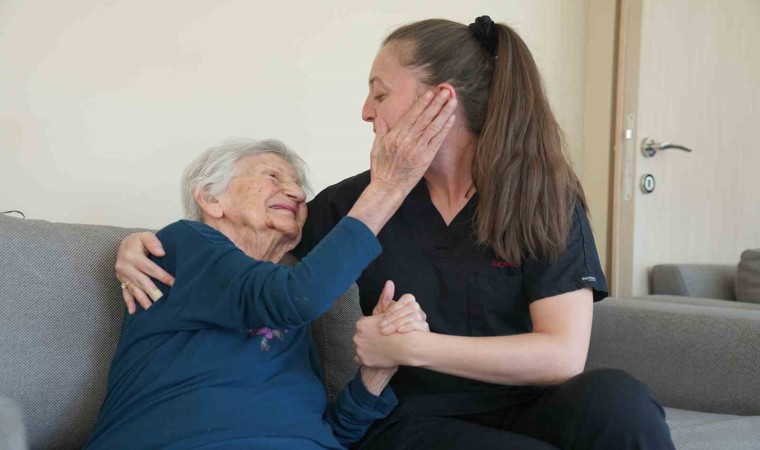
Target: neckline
x,y
424,206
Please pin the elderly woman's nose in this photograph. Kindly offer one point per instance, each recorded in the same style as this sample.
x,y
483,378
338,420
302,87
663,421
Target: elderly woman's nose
x,y
295,191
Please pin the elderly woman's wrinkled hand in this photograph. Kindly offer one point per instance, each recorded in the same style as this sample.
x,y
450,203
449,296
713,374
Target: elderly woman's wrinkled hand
x,y
401,156
401,316
134,269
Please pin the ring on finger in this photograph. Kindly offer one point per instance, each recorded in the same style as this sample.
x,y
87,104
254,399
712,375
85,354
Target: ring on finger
x,y
125,285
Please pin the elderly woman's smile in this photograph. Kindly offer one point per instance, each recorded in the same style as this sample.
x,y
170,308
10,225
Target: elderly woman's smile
x,y
263,208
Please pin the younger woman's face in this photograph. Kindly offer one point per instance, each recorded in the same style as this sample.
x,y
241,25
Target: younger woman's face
x,y
393,88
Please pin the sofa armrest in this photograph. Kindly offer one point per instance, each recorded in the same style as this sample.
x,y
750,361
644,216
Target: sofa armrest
x,y
695,280
701,358
12,432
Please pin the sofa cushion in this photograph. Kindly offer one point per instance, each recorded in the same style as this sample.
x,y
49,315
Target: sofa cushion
x,y
12,433
693,357
695,280
693,430
60,317
333,333
748,277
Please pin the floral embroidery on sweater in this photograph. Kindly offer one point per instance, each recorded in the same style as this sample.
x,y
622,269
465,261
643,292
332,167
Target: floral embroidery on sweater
x,y
267,334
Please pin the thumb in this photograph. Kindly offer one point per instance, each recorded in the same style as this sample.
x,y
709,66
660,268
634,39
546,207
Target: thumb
x,y
381,128
151,244
386,297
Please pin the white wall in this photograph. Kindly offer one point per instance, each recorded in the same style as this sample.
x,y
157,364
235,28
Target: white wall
x,y
102,103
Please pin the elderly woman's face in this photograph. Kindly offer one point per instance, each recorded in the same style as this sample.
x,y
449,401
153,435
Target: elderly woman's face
x,y
266,193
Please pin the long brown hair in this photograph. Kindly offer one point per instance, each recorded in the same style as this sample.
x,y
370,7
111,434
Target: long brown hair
x,y
526,186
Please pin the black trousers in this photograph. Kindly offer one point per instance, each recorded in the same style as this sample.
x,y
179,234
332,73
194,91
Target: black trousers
x,y
602,409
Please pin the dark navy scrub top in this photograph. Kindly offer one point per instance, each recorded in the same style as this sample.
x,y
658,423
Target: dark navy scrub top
x,y
462,286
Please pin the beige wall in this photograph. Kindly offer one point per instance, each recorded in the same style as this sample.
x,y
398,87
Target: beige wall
x,y
598,126
103,103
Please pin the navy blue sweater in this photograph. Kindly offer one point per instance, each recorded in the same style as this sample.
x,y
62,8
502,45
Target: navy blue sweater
x,y
226,359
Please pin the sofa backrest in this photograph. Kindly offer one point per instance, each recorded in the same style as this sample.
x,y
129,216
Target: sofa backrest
x,y
60,317
694,280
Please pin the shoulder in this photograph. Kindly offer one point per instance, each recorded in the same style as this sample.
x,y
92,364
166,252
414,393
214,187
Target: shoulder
x,y
355,183
342,196
193,235
581,226
327,208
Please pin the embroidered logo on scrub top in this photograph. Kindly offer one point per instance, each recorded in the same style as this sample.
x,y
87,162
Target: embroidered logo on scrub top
x,y
267,334
504,264
591,279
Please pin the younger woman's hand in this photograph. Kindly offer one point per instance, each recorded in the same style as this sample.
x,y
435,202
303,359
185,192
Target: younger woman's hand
x,y
403,316
400,316
134,269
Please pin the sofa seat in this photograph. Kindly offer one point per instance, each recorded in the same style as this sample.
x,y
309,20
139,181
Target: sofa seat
x,y
692,430
61,311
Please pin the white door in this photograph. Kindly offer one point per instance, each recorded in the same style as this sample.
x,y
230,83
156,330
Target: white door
x,y
698,86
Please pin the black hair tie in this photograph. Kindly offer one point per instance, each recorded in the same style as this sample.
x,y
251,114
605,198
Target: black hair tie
x,y
485,32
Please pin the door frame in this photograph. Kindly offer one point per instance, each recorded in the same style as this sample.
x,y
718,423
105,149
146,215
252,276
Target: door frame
x,y
624,148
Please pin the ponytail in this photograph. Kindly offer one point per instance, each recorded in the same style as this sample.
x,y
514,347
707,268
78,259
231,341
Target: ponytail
x,y
526,187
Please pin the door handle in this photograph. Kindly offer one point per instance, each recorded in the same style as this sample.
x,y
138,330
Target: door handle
x,y
650,148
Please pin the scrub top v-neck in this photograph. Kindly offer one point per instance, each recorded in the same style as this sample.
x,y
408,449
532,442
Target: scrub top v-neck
x,y
461,285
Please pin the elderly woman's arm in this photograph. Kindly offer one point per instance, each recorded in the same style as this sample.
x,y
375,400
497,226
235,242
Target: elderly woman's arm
x,y
399,158
219,285
359,404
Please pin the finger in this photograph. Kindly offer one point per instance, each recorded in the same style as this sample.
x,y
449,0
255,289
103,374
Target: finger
x,y
129,300
387,296
381,128
385,299
417,109
393,318
438,122
142,282
399,305
431,112
435,143
414,312
140,296
151,243
153,270
414,326
405,320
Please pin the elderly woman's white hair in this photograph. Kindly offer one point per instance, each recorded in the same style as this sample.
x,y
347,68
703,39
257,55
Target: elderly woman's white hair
x,y
213,170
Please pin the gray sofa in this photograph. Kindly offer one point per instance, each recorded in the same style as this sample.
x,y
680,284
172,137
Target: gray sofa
x,y
61,311
702,281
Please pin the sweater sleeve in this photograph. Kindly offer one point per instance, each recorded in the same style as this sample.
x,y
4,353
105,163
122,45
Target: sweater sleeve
x,y
219,285
355,409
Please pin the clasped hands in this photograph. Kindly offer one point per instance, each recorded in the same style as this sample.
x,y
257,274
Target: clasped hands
x,y
384,339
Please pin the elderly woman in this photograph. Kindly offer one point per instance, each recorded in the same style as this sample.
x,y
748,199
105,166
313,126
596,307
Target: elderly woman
x,y
226,358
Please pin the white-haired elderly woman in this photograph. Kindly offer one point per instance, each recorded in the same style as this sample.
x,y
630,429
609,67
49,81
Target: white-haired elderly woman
x,y
225,359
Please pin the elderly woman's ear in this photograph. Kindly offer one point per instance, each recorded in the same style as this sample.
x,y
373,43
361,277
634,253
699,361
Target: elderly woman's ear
x,y
210,205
